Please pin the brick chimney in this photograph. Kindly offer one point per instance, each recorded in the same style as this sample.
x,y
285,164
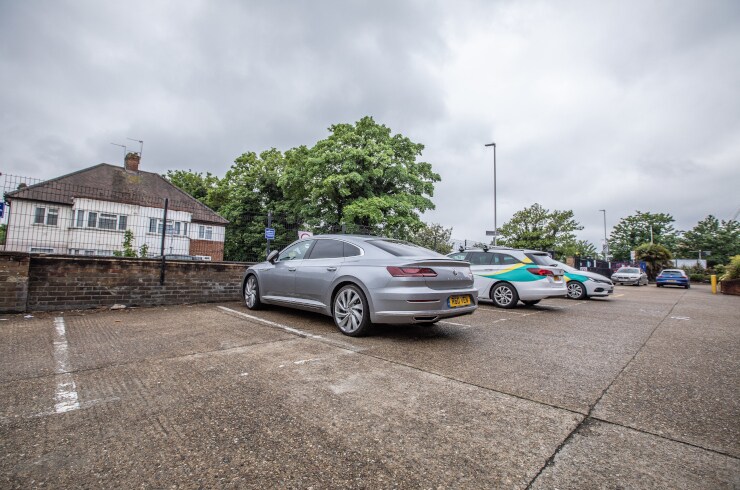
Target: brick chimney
x,y
132,161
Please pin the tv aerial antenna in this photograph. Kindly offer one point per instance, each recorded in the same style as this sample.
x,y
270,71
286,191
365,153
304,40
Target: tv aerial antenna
x,y
141,145
122,146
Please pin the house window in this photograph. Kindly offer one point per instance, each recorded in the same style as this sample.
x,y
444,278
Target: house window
x,y
177,228
39,250
205,232
107,221
102,221
46,216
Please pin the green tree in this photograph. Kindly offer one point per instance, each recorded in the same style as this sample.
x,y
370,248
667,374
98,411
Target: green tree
x,y
248,192
434,237
196,184
541,229
656,257
721,239
361,175
635,230
3,232
580,248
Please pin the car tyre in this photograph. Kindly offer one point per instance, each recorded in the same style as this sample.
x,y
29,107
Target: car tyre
x,y
504,295
252,293
350,311
576,290
531,302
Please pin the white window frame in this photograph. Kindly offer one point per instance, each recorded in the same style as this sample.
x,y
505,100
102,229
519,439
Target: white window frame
x,y
47,213
205,232
174,228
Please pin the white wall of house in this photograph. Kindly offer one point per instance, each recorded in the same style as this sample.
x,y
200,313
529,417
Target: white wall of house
x,y
93,227
30,231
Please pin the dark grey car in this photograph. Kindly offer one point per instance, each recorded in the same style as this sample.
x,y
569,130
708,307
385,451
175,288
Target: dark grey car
x,y
359,280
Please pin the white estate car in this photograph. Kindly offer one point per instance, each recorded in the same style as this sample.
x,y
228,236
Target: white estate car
x,y
584,284
507,276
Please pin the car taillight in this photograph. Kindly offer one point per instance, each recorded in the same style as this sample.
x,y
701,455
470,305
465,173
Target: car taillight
x,y
540,272
411,271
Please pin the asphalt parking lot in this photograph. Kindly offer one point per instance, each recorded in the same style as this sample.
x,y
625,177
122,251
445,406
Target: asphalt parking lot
x,y
641,390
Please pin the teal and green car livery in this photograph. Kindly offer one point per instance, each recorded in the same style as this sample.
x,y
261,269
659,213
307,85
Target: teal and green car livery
x,y
507,276
584,284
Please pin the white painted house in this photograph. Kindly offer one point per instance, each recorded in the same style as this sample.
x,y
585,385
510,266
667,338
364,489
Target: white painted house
x,y
88,213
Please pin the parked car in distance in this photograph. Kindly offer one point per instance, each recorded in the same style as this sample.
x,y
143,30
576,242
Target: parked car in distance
x,y
584,284
360,280
673,277
630,275
507,276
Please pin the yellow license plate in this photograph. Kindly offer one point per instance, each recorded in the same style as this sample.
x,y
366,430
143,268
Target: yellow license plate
x,y
557,278
457,301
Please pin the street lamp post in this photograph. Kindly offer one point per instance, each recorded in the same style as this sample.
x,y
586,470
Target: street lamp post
x,y
606,242
495,206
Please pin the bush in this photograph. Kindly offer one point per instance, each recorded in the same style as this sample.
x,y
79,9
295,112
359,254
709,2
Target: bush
x,y
732,270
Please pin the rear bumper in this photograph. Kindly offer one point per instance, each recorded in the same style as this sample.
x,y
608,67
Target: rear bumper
x,y
419,305
674,282
536,291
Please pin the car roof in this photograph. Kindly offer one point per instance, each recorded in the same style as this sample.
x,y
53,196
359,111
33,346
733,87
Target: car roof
x,y
493,249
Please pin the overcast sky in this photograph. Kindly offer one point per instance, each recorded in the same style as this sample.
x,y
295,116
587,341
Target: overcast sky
x,y
623,106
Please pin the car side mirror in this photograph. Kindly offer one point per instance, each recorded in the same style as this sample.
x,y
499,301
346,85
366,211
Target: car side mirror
x,y
272,256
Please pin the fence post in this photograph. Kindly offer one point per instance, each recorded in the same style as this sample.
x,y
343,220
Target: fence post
x,y
164,233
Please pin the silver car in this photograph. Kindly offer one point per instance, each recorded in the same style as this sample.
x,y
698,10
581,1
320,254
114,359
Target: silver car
x,y
359,280
630,275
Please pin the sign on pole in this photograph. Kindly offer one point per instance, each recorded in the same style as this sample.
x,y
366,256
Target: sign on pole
x,y
2,209
270,233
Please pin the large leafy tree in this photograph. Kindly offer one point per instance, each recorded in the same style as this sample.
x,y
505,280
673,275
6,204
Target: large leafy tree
x,y
362,175
248,192
434,237
721,239
635,230
196,184
541,229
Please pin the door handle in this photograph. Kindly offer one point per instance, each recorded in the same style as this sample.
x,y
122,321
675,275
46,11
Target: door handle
x,y
291,269
331,269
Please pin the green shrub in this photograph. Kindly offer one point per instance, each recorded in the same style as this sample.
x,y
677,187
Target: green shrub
x,y
732,270
697,277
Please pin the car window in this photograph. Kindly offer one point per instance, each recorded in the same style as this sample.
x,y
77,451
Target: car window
x,y
351,251
458,255
327,249
504,259
296,251
403,249
629,270
539,259
480,258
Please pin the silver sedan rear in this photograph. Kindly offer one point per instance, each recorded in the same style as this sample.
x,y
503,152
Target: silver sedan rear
x,y
359,280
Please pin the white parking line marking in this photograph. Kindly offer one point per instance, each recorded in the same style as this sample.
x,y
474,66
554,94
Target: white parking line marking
x,y
455,324
304,361
66,393
680,318
292,330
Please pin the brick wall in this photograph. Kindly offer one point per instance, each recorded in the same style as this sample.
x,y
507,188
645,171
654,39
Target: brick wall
x,y
64,282
13,281
207,247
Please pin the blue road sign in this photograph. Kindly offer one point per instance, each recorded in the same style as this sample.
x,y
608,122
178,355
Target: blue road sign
x,y
2,209
270,233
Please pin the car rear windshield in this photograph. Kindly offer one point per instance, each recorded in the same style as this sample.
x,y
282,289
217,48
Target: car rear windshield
x,y
672,273
629,270
539,258
403,249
